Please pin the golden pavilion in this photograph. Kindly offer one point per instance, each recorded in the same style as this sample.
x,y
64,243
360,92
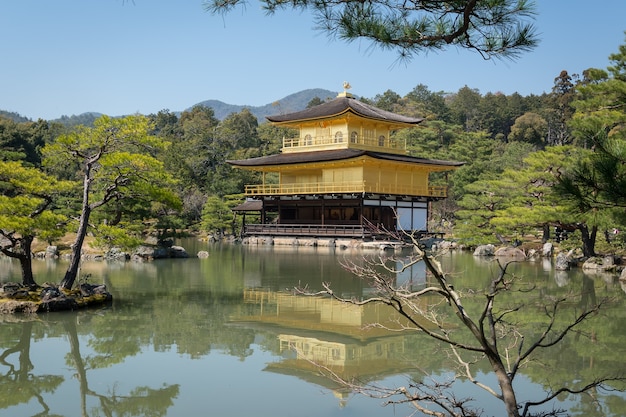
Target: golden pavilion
x,y
342,174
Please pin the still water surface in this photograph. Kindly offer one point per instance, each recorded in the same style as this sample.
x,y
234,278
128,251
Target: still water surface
x,y
219,336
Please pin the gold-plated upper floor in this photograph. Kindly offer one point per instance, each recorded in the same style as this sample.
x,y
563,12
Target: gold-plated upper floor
x,y
345,188
379,143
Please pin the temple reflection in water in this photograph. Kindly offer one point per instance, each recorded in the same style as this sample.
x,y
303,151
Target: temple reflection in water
x,y
322,339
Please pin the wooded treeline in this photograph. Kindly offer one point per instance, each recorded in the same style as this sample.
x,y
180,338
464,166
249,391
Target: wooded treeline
x,y
532,164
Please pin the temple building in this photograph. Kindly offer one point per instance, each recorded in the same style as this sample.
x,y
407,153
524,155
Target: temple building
x,y
343,173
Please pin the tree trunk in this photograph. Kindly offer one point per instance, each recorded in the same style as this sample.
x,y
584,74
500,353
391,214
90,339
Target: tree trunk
x,y
25,258
506,386
72,271
27,271
589,239
26,262
546,233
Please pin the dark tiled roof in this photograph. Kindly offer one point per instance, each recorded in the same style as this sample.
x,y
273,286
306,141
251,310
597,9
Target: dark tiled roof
x,y
342,105
334,155
249,205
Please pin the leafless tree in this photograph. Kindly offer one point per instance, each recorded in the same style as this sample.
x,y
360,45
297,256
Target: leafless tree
x,y
493,332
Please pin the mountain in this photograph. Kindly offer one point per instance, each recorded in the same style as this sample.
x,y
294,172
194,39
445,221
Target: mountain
x,y
85,119
13,116
293,102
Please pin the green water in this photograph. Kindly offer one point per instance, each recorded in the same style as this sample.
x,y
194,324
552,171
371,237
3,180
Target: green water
x,y
226,336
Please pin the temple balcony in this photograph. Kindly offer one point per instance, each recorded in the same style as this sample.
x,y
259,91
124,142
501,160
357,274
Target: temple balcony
x,y
345,188
310,143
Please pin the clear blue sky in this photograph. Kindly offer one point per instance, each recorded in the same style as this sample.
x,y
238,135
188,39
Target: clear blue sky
x,y
64,57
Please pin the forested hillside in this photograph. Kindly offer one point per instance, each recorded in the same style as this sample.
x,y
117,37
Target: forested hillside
x,y
293,102
533,164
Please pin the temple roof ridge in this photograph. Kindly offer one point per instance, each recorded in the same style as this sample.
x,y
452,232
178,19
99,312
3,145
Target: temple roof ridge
x,y
344,103
334,155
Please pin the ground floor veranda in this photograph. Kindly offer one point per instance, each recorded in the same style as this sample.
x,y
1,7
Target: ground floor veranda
x,y
335,215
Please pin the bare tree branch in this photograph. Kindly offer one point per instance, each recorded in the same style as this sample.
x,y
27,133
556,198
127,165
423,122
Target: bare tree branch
x,y
423,310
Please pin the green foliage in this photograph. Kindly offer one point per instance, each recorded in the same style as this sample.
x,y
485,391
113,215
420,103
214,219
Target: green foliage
x,y
558,110
27,201
84,119
192,150
27,212
596,186
165,124
389,100
22,141
116,160
490,133
200,145
532,200
240,130
122,236
492,192
478,208
477,150
116,157
492,29
464,108
531,128
427,104
496,115
315,101
271,137
217,216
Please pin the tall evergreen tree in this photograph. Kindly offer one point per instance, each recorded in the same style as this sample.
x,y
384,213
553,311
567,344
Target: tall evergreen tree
x,y
531,128
116,165
27,204
428,104
598,182
532,202
464,108
559,110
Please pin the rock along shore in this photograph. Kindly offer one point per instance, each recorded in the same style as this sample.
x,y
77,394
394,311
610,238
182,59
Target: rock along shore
x,y
17,298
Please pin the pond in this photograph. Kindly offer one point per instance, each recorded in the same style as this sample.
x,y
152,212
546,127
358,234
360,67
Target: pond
x,y
226,336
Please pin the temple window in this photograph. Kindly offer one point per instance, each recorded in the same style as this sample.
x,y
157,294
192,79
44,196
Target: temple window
x,y
354,136
338,137
381,140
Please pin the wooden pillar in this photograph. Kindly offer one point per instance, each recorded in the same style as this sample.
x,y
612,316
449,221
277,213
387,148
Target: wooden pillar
x,y
262,211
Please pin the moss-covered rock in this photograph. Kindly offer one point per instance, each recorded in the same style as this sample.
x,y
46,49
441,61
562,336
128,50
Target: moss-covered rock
x,y
16,298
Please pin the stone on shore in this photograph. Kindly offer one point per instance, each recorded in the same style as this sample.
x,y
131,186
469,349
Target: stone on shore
x,y
510,252
548,250
598,263
485,250
562,262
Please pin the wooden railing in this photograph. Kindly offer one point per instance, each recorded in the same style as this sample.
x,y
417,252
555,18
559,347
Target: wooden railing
x,y
324,142
331,230
322,230
345,187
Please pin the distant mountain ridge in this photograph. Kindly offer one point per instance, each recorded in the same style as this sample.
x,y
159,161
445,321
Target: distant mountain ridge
x,y
291,103
17,118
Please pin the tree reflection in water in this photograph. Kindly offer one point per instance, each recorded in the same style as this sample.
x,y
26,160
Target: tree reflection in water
x,y
19,383
182,333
